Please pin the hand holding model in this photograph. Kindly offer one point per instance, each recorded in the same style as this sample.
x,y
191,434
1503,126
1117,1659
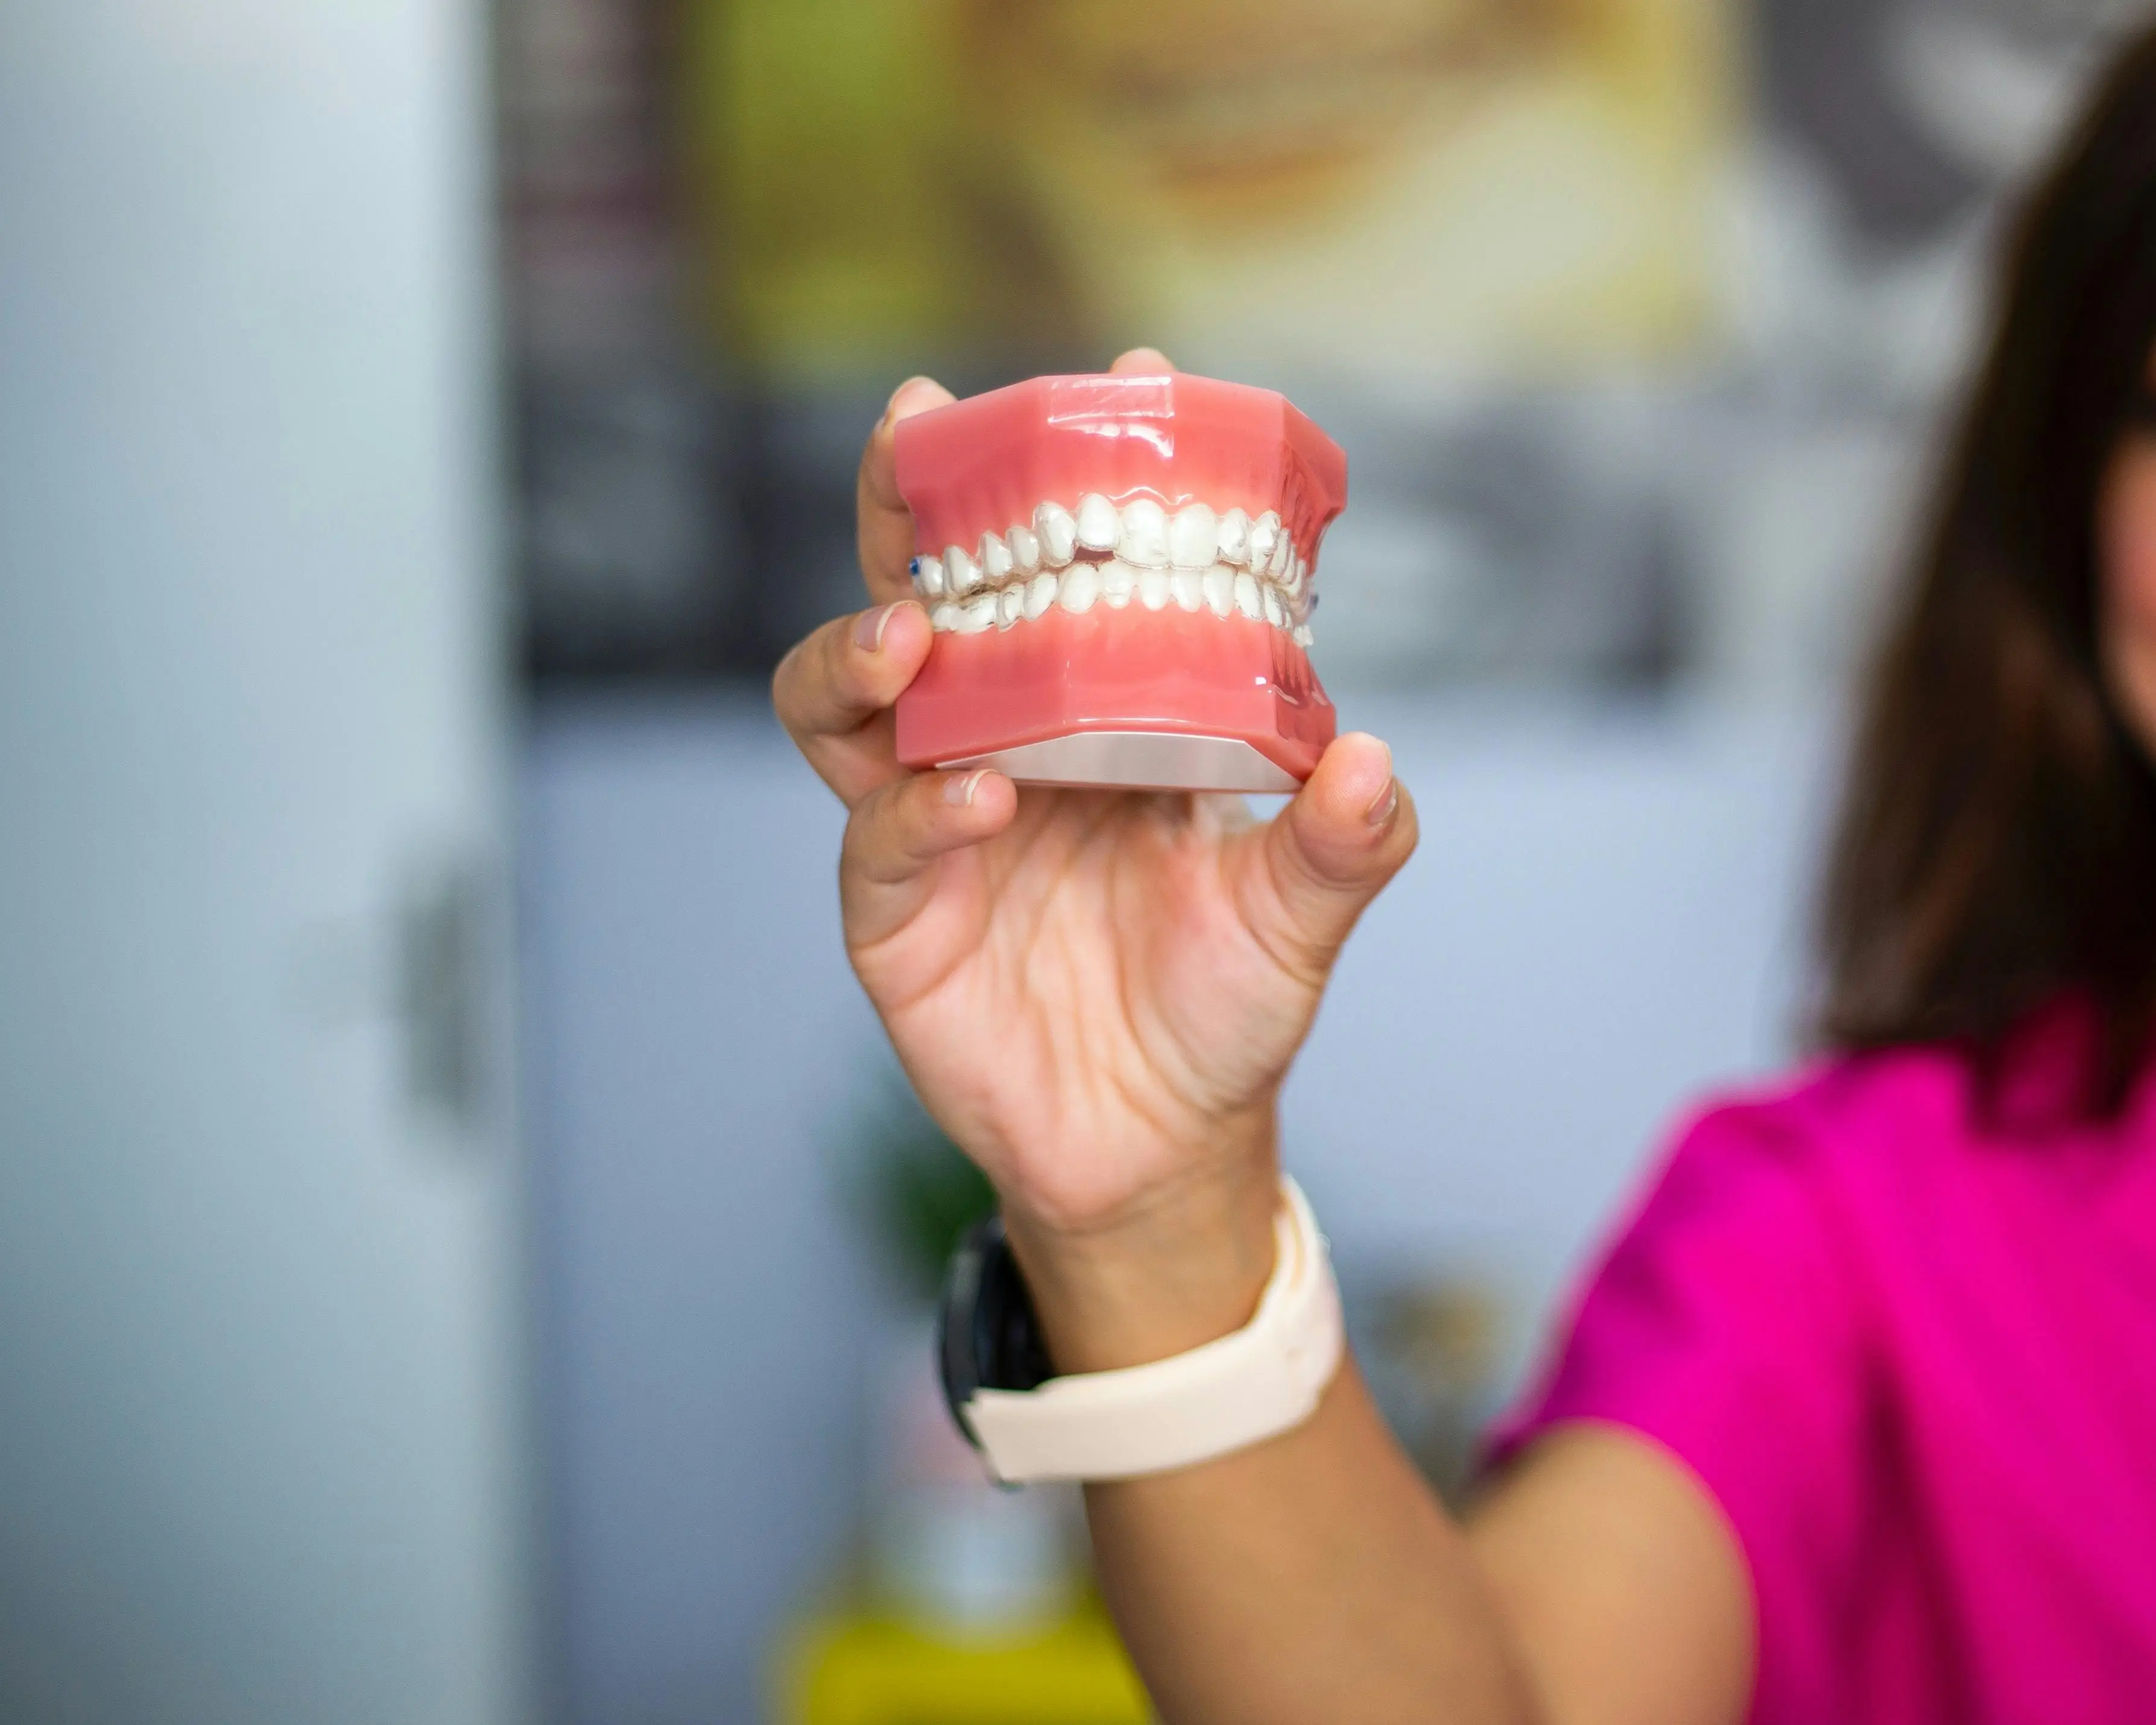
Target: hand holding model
x,y
1097,993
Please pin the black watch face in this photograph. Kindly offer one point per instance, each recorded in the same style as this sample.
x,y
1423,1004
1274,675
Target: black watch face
x,y
1013,1353
987,1335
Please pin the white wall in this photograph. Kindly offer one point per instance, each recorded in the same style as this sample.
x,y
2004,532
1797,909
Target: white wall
x,y
260,1433
1602,919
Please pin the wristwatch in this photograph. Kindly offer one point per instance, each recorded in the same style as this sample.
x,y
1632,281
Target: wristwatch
x,y
1030,1424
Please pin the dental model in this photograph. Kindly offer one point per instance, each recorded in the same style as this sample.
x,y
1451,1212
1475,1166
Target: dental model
x,y
1119,571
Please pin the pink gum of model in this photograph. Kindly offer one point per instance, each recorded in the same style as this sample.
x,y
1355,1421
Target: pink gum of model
x,y
1146,695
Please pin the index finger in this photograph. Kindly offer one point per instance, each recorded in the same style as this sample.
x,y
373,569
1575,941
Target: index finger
x,y
834,692
884,525
1141,362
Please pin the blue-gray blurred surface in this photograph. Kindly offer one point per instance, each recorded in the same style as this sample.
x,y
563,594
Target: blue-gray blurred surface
x,y
1605,917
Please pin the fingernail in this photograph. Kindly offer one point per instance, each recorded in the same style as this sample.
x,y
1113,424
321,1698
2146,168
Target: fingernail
x,y
1381,811
959,792
891,407
867,630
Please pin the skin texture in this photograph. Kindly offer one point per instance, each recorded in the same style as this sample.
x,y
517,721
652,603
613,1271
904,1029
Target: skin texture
x,y
2126,530
1145,968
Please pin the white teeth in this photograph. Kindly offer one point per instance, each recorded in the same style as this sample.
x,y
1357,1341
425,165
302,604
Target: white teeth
x,y
1235,537
1144,540
1193,537
1302,636
961,573
1079,588
1197,558
1058,534
1220,582
1099,524
1024,550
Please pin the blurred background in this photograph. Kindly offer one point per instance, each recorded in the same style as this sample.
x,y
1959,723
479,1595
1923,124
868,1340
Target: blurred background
x,y
464,1252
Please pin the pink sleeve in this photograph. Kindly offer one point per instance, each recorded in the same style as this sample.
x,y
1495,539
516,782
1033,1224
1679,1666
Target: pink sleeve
x,y
1722,1325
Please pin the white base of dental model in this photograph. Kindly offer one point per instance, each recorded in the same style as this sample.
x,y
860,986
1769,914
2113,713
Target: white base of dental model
x,y
1139,760
1264,1379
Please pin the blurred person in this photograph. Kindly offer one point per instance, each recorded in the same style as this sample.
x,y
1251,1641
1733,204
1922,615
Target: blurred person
x,y
1854,1422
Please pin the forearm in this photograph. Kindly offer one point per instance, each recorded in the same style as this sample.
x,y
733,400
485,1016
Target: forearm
x,y
1314,1576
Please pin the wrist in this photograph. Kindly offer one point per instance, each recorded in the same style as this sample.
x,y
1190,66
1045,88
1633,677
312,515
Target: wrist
x,y
1177,1268
1263,1378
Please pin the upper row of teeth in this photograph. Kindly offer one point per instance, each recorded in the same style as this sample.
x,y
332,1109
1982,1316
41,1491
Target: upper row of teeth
x,y
1141,533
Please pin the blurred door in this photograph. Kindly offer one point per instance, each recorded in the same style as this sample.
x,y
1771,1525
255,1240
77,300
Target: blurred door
x,y
260,1454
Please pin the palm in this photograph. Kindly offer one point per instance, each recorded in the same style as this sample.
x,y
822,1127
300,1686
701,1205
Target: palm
x,y
1079,997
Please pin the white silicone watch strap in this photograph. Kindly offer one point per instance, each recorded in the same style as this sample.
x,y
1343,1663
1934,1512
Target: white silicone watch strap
x,y
1264,1379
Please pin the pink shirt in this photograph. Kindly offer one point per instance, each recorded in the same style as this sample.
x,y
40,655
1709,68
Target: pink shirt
x,y
1916,1364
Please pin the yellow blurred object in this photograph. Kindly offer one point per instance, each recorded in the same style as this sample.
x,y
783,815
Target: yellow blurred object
x,y
851,1670
1380,186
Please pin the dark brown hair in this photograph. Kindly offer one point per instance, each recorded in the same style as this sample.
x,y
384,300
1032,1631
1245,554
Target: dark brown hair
x,y
1997,849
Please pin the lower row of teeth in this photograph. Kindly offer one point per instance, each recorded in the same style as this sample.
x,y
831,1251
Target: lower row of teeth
x,y
1220,589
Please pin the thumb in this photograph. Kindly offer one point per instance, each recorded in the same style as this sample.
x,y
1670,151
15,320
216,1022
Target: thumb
x,y
1315,867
